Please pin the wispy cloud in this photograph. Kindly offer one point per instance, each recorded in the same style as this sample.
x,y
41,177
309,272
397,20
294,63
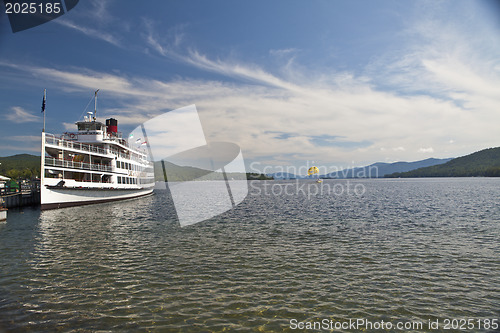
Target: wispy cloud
x,y
28,143
25,138
169,47
82,78
167,43
100,10
19,115
283,52
90,32
30,148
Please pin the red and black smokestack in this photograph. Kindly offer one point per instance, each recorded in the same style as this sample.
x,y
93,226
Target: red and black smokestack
x,y
112,125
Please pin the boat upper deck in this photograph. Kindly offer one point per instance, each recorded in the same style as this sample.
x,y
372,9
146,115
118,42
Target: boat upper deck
x,y
105,148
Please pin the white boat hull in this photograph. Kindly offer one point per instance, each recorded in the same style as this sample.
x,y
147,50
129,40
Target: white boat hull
x,y
53,198
3,214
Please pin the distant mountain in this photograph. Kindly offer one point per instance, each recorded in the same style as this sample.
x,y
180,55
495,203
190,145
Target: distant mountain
x,y
378,170
484,163
20,166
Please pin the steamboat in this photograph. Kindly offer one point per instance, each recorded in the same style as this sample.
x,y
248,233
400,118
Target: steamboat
x,y
94,164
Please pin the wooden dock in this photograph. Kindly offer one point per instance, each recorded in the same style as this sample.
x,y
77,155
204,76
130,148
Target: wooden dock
x,y
25,195
21,199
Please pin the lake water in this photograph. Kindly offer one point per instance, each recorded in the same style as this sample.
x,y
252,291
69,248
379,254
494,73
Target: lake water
x,y
395,250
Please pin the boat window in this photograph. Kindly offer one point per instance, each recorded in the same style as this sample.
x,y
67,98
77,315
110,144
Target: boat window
x,y
89,126
117,164
119,180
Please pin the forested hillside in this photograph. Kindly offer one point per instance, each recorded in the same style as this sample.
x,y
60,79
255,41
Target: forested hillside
x,y
484,163
24,166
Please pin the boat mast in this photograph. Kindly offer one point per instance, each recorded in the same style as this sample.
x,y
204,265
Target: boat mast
x,y
95,104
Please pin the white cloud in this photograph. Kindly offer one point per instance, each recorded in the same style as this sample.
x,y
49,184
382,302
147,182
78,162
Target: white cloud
x,y
426,150
19,115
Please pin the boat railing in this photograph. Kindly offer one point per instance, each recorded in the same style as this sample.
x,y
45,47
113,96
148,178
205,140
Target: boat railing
x,y
89,181
51,139
50,161
118,139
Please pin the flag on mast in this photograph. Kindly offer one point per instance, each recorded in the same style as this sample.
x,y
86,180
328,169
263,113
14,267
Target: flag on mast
x,y
43,101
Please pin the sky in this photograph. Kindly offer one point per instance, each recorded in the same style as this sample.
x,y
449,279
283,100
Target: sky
x,y
293,83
